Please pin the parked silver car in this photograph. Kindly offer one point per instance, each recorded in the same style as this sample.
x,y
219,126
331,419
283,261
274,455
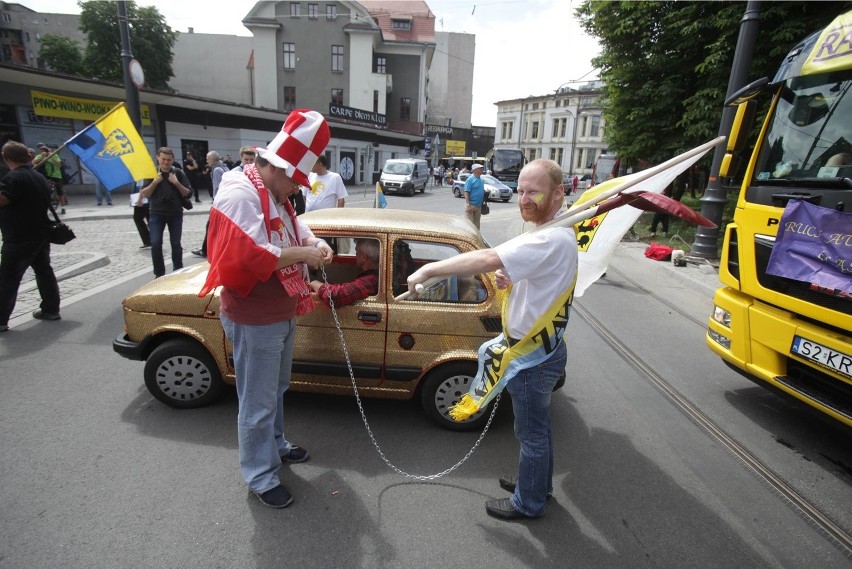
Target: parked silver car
x,y
494,189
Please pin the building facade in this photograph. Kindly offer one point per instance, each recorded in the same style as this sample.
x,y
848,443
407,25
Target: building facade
x,y
566,126
21,30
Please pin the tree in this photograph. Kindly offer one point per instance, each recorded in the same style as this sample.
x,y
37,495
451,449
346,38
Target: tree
x,y
151,39
62,54
666,65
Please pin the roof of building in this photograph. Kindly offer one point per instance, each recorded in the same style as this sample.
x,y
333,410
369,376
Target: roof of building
x,y
416,11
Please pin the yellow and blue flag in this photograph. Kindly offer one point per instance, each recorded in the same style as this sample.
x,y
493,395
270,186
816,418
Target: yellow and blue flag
x,y
113,151
381,200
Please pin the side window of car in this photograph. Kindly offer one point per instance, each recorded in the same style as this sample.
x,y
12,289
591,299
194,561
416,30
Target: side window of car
x,y
352,256
411,255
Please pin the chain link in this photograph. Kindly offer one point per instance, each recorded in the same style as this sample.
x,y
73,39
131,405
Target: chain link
x,y
419,477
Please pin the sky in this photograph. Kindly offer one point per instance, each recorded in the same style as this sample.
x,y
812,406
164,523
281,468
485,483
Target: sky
x,y
523,47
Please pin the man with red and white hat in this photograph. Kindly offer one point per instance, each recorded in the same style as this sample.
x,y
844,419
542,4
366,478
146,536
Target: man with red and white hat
x,y
259,253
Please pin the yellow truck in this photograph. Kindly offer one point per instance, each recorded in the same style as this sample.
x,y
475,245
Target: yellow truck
x,y
784,315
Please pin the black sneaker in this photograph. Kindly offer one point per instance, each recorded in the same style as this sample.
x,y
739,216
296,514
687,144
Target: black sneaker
x,y
4,327
277,497
296,454
42,315
145,247
199,253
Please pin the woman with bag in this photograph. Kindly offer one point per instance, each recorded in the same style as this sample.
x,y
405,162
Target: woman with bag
x,y
24,201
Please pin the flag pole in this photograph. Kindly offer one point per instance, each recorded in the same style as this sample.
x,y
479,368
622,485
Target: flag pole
x,y
596,205
641,177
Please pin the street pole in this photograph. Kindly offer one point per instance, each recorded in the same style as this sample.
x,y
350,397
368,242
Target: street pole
x,y
130,89
714,199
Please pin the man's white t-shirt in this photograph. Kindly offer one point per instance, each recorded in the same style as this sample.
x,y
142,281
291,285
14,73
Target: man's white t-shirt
x,y
324,192
541,265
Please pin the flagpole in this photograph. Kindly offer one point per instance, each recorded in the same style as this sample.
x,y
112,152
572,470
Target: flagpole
x,y
596,205
641,177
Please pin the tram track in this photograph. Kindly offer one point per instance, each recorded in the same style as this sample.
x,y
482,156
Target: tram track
x,y
835,534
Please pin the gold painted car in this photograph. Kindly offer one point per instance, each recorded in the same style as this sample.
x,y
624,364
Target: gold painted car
x,y
424,348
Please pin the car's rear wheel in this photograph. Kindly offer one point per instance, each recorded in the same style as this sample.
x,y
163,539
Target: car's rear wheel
x,y
443,388
181,373
456,191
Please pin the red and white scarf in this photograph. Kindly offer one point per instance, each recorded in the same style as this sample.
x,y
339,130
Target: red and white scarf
x,y
240,257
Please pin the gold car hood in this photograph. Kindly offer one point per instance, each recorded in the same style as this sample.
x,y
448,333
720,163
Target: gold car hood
x,y
175,293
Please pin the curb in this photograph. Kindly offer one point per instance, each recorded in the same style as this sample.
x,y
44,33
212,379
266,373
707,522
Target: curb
x,y
95,260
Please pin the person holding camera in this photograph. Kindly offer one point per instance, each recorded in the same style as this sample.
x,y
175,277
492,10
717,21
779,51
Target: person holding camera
x,y
165,194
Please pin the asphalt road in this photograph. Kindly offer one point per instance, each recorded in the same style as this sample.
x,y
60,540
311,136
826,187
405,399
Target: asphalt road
x,y
96,473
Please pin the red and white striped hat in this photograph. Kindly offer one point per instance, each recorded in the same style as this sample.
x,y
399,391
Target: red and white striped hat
x,y
302,139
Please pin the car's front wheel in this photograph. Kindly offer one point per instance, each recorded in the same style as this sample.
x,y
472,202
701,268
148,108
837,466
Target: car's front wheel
x,y
443,388
181,373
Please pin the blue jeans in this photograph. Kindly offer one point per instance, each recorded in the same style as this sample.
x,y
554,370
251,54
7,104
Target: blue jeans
x,y
263,356
530,391
101,192
157,223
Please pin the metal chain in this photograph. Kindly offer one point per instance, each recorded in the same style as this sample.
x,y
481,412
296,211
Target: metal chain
x,y
420,477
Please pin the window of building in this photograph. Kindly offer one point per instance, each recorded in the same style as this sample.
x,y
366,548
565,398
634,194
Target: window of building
x,y
553,154
289,56
330,11
563,127
596,126
375,101
555,132
7,17
295,9
558,158
28,35
534,133
535,106
337,58
289,98
381,64
401,24
337,96
506,129
405,109
312,11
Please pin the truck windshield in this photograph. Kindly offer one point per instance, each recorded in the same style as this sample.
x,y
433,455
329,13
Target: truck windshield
x,y
810,136
507,160
402,168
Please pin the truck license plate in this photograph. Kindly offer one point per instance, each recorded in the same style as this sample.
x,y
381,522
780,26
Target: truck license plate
x,y
826,357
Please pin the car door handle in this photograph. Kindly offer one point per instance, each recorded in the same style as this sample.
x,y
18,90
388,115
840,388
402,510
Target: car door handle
x,y
370,317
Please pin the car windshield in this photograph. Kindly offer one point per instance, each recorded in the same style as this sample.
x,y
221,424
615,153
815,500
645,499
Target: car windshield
x,y
397,168
491,180
810,136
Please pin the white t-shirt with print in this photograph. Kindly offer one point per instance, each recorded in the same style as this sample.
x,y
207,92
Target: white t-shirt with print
x,y
324,191
541,265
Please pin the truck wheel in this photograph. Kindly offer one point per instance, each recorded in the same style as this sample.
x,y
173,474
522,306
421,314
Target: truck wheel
x,y
443,388
181,373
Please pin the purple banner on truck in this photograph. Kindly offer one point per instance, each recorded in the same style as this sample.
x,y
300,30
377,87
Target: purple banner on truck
x,y
814,245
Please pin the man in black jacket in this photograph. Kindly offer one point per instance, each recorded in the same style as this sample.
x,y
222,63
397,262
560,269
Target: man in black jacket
x,y
164,194
24,201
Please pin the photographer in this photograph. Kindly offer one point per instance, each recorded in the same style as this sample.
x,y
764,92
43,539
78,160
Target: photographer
x,y
165,194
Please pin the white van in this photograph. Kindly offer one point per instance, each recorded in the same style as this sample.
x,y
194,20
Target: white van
x,y
404,176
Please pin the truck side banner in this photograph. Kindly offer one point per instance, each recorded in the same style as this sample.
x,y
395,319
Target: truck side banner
x,y
814,245
833,49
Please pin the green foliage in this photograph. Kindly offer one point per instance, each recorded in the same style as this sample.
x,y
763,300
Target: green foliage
x,y
151,41
666,65
62,54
